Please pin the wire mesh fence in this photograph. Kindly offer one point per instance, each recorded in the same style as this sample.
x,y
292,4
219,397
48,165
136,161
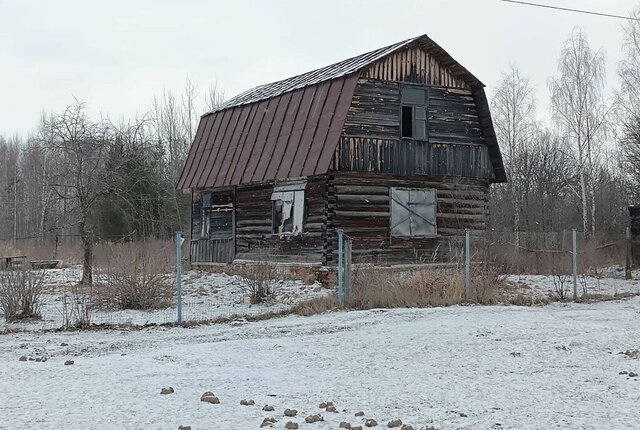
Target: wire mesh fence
x,y
542,260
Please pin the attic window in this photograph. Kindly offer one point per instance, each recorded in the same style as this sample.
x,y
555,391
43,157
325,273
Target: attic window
x,y
288,208
414,113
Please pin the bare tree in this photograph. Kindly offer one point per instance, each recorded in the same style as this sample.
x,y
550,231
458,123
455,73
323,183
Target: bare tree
x,y
513,107
214,97
82,148
579,109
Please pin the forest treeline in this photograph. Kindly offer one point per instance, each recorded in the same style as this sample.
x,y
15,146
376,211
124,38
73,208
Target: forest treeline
x,y
115,180
100,179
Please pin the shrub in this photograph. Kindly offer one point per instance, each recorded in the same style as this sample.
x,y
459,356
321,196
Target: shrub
x,y
257,281
134,276
20,293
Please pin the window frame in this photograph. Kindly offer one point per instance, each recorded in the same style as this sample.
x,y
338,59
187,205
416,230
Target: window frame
x,y
205,221
293,192
419,111
434,193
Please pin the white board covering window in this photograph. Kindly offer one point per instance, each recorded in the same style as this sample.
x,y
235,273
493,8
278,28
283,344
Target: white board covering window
x,y
288,208
205,222
413,212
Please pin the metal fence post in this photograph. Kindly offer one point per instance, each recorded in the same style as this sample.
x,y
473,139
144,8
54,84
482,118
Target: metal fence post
x,y
347,266
179,241
627,263
574,262
467,264
340,268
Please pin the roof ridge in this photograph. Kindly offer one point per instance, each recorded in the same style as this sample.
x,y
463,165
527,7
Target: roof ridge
x,y
331,71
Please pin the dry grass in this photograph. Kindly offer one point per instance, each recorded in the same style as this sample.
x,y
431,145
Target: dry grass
x,y
20,292
134,276
376,288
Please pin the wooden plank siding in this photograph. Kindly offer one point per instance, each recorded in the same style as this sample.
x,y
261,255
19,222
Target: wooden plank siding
x,y
414,65
359,204
371,142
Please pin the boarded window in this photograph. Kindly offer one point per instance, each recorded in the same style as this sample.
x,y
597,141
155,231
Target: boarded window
x,y
205,212
288,208
414,113
413,212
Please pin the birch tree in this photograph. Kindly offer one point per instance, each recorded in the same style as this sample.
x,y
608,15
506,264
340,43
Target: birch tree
x,y
579,110
513,107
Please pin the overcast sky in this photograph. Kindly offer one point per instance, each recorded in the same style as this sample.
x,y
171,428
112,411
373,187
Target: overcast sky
x,y
117,54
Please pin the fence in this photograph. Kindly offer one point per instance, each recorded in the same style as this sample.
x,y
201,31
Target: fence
x,y
561,263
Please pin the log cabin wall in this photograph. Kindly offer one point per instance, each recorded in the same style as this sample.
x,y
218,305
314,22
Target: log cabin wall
x,y
359,203
454,145
255,239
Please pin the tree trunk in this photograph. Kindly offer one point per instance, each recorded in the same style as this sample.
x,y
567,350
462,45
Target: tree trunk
x,y
585,203
87,255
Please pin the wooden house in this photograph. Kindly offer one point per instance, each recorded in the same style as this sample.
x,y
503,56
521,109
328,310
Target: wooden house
x,y
395,146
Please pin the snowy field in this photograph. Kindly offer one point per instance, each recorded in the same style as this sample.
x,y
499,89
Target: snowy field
x,y
609,283
470,367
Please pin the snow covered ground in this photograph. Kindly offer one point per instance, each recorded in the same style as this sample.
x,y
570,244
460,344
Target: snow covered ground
x,y
206,296
610,282
462,367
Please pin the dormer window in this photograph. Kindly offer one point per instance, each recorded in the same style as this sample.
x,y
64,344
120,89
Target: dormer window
x,y
414,113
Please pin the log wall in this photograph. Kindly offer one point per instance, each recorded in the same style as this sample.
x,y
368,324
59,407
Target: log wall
x,y
371,142
254,226
359,204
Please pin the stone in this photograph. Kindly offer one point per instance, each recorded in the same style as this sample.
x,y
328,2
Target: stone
x,y
165,390
370,423
206,394
632,374
360,414
344,425
214,400
331,409
291,425
406,427
462,414
247,402
69,363
23,358
64,344
268,408
314,418
322,405
184,428
329,404
623,372
394,423
356,427
268,422
290,412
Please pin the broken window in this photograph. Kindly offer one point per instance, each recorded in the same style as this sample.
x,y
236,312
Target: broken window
x,y
288,208
414,113
205,212
413,212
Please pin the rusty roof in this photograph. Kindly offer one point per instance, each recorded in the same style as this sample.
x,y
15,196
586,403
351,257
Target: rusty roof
x,y
287,136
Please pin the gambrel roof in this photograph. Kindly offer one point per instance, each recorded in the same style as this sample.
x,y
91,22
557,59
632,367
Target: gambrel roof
x,y
290,128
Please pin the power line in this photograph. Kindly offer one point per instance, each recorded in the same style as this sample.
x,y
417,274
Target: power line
x,y
608,15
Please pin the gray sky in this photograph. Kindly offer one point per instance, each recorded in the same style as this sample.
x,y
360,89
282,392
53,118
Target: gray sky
x,y
117,54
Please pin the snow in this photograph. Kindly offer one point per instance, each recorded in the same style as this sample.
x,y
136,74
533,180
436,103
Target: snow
x,y
206,296
458,367
610,282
